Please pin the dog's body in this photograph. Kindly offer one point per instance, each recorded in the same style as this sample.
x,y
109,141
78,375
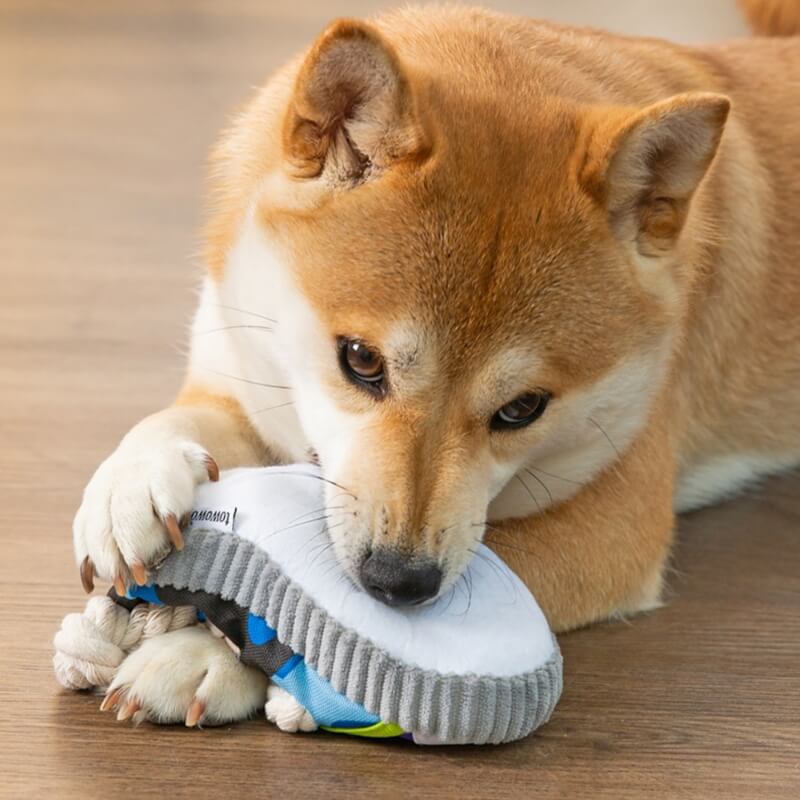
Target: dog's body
x,y
434,230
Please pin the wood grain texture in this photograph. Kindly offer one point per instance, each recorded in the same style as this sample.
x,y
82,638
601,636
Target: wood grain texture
x,y
106,113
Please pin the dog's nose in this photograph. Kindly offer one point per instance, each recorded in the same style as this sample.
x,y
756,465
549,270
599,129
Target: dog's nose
x,y
396,579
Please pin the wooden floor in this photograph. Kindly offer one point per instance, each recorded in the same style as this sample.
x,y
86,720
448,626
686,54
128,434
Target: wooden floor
x,y
106,112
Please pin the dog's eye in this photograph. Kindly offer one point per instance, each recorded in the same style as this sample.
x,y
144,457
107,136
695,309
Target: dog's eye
x,y
520,412
362,363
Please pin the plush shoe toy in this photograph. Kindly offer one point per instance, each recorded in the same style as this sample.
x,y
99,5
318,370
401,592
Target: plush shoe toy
x,y
478,665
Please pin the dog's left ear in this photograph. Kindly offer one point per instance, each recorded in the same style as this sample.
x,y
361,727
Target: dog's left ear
x,y
644,166
352,113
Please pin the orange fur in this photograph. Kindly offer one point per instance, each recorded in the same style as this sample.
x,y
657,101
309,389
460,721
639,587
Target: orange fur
x,y
219,423
582,196
773,17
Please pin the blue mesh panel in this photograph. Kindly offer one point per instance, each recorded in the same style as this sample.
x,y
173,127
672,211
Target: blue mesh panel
x,y
323,702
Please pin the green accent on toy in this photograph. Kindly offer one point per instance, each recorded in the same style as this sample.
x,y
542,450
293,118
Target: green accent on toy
x,y
380,730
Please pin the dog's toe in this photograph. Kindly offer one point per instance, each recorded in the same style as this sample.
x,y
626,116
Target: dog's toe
x,y
187,676
287,713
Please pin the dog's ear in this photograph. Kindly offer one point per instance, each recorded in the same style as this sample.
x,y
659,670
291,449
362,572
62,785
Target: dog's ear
x,y
352,113
645,165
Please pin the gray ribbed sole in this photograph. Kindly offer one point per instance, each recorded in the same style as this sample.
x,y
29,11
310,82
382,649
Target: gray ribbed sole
x,y
473,709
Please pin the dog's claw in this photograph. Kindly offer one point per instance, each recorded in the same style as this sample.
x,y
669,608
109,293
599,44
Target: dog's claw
x,y
111,699
174,531
128,710
139,573
194,712
119,586
87,575
213,469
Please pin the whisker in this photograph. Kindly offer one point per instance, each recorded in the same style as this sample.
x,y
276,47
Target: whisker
x,y
533,532
608,438
336,563
450,601
349,585
343,578
486,525
502,572
557,477
319,478
466,591
496,543
439,537
320,553
271,408
245,380
541,483
249,313
528,490
323,518
458,583
323,543
233,328
315,511
468,581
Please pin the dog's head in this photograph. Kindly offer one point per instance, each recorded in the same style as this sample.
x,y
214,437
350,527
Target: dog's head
x,y
477,288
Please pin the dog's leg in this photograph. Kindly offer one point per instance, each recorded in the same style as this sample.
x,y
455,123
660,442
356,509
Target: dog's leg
x,y
604,551
128,519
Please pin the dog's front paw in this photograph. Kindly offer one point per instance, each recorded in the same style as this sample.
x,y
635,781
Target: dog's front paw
x,y
185,676
129,517
287,713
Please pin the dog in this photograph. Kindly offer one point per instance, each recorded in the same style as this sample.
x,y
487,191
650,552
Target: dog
x,y
506,280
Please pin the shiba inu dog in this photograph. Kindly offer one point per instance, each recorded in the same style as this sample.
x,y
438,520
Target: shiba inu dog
x,y
503,279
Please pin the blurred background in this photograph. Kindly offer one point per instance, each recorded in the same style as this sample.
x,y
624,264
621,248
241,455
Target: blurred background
x,y
107,111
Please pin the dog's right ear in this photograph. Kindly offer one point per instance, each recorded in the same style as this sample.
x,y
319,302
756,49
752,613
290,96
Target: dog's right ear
x,y
351,113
